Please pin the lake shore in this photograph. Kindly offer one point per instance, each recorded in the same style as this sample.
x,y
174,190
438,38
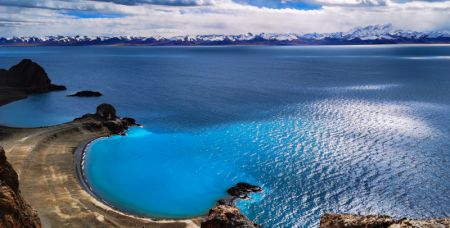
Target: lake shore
x,y
45,160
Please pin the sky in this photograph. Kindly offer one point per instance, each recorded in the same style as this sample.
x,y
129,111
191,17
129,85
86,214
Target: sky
x,y
194,17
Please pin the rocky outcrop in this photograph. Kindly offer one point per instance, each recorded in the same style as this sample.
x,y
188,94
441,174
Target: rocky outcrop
x,y
377,221
29,77
225,214
130,121
106,111
14,211
105,116
86,93
242,190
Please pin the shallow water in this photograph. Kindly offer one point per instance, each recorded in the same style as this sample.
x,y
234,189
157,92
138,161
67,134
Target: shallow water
x,y
322,129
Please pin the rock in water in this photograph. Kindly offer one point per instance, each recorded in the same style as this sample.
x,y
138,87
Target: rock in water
x,y
29,76
106,111
241,190
86,93
14,211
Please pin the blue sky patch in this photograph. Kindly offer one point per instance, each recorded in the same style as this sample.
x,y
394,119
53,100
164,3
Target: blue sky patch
x,y
91,14
279,4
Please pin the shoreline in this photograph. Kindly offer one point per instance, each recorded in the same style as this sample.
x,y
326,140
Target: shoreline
x,y
48,161
23,145
60,197
79,159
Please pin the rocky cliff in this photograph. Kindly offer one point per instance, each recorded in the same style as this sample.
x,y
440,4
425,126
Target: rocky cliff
x,y
377,221
29,77
14,211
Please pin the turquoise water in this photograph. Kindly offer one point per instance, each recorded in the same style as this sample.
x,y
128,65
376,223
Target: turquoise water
x,y
321,129
174,163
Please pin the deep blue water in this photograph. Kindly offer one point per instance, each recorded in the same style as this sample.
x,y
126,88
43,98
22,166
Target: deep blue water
x,y
322,129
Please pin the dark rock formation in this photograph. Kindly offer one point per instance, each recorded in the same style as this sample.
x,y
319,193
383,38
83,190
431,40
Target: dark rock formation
x,y
14,211
106,111
86,93
29,77
116,126
105,116
225,214
130,121
242,190
377,221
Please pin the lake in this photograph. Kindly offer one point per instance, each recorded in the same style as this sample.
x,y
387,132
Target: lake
x,y
350,129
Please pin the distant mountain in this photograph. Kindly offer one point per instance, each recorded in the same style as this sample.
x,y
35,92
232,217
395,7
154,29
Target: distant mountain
x,y
373,34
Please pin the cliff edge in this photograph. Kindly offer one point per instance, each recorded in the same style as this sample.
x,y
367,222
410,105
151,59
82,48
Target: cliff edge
x,y
14,211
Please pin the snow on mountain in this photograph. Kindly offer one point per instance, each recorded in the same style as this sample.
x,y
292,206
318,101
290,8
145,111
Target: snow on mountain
x,y
385,33
370,32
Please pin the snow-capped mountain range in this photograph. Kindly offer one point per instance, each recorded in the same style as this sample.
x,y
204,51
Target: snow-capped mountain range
x,y
373,34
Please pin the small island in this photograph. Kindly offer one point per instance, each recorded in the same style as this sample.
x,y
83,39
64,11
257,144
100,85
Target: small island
x,y
86,93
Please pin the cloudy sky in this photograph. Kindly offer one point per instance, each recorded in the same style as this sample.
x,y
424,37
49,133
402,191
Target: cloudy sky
x,y
190,17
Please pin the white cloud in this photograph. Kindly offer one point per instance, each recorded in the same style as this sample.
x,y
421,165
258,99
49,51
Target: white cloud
x,y
39,17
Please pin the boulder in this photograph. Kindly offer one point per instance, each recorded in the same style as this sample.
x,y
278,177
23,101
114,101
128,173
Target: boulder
x,y
86,93
106,112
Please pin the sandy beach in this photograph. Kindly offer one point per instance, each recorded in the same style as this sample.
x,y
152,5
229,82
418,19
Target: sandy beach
x,y
45,162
